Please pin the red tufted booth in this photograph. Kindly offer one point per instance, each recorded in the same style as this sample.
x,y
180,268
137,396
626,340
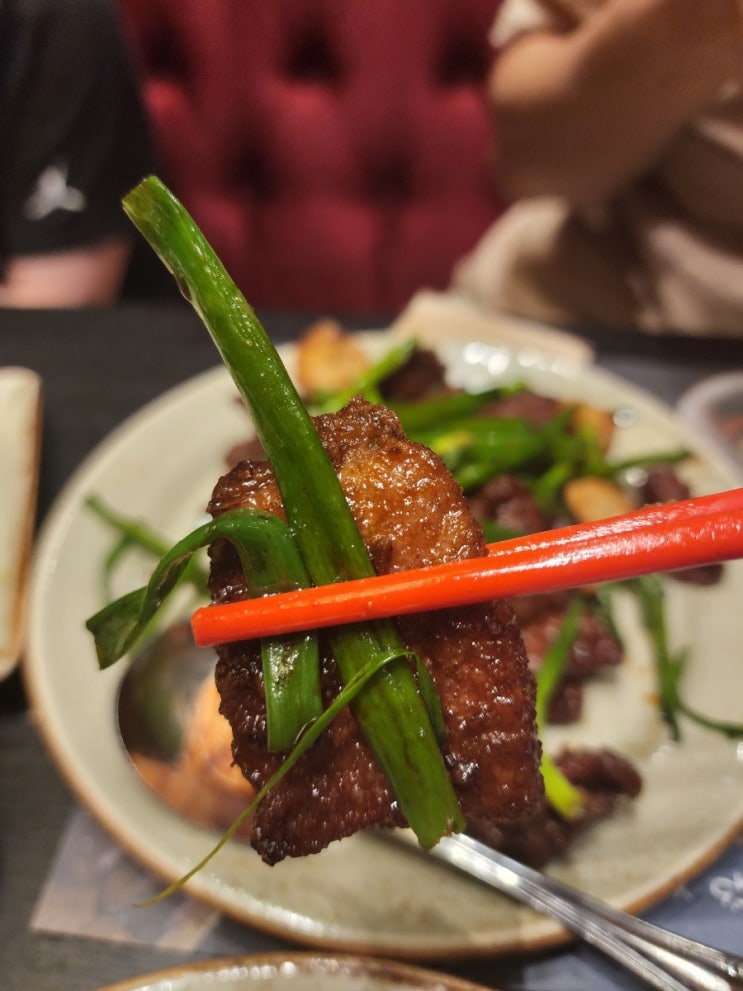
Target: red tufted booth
x,y
334,151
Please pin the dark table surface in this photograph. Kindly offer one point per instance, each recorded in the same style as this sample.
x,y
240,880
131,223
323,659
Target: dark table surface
x,y
98,367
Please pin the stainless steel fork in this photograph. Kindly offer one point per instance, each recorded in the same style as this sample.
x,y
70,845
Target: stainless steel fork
x,y
662,959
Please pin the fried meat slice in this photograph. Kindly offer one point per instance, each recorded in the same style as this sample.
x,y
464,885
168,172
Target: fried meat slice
x,y
606,782
411,513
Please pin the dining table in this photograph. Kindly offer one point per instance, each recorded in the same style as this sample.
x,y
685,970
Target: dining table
x,y
99,366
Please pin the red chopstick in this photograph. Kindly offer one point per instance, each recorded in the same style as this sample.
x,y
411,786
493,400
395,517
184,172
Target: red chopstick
x,y
667,537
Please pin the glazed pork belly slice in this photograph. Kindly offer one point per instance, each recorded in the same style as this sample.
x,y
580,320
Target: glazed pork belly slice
x,y
606,782
411,513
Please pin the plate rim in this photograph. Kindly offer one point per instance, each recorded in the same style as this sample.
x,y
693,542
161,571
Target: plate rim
x,y
308,962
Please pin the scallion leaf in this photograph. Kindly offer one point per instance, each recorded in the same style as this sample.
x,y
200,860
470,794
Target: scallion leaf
x,y
390,710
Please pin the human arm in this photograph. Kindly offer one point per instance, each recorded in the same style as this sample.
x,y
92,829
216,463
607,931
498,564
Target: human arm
x,y
580,114
85,276
75,138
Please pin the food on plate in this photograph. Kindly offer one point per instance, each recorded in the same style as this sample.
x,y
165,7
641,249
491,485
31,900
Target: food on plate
x,y
588,499
528,462
410,513
430,721
392,693
331,360
207,750
506,503
605,781
203,782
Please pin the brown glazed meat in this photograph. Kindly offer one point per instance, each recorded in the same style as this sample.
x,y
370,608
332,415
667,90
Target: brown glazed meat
x,y
410,513
606,782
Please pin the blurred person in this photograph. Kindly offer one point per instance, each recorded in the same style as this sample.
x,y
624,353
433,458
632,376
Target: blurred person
x,y
619,143
73,141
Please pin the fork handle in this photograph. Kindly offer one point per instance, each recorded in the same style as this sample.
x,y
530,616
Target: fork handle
x,y
661,959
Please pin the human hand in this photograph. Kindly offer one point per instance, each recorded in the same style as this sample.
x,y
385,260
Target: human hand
x,y
651,67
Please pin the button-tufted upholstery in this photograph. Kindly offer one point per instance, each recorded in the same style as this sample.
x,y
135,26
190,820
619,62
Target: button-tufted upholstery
x,y
334,151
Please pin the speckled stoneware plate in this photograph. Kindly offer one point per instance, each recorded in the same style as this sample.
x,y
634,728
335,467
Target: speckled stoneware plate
x,y
364,894
295,972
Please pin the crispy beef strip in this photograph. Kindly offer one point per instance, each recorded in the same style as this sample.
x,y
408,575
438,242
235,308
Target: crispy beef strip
x,y
411,513
663,484
526,405
421,377
595,648
606,782
508,502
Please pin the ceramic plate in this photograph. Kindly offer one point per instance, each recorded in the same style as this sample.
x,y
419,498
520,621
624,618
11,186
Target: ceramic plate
x,y
363,894
298,972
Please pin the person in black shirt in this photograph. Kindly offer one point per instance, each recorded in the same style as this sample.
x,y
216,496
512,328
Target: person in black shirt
x,y
73,140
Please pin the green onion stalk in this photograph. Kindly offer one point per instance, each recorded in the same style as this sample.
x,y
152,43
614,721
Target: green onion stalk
x,y
271,564
390,710
135,534
367,384
561,793
670,665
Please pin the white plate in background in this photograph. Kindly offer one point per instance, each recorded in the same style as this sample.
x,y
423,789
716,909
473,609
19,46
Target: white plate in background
x,y
295,972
